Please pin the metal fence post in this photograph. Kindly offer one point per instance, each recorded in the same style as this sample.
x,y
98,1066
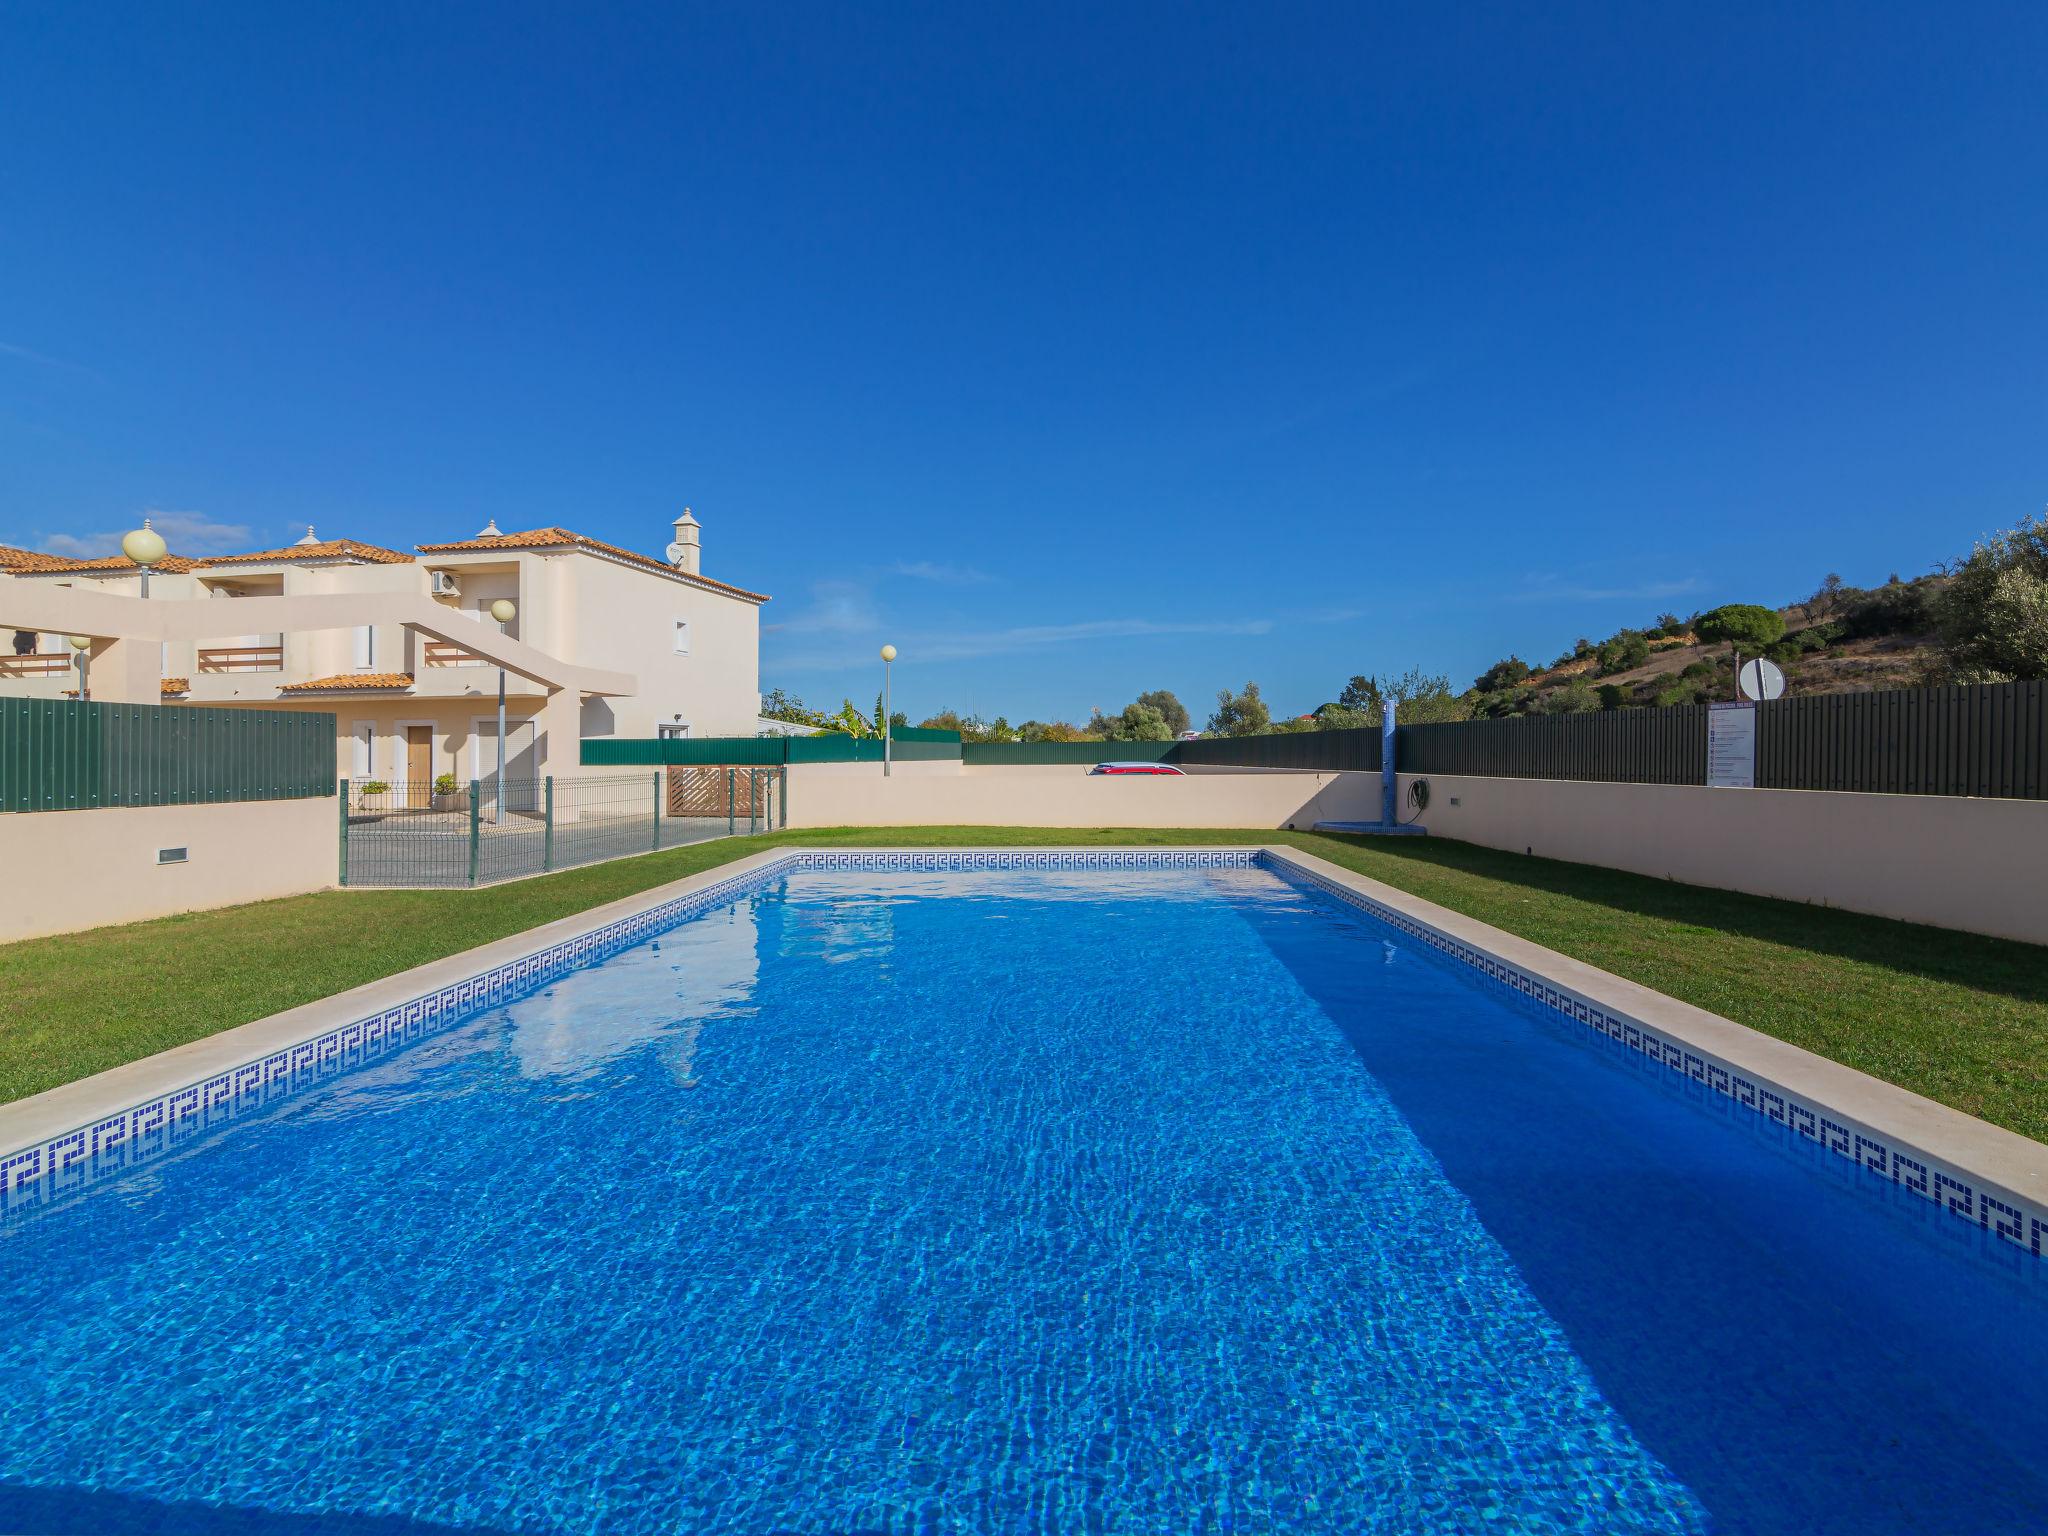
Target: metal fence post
x,y
344,833
731,782
657,810
476,801
547,842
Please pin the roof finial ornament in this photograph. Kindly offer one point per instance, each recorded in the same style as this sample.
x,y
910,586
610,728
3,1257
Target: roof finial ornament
x,y
490,530
311,537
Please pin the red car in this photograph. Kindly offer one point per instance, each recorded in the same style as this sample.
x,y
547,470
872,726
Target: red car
x,y
1166,769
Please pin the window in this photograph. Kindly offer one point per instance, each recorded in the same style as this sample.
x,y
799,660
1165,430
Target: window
x,y
365,734
366,648
682,637
672,730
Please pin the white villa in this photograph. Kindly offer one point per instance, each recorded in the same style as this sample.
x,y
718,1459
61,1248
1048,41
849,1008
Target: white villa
x,y
402,648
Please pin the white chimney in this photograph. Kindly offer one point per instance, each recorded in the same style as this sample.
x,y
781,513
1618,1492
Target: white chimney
x,y
684,553
311,537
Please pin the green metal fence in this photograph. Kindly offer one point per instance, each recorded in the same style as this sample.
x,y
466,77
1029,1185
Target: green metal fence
x,y
911,744
445,833
1004,753
69,755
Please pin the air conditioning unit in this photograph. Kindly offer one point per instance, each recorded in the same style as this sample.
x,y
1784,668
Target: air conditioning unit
x,y
445,584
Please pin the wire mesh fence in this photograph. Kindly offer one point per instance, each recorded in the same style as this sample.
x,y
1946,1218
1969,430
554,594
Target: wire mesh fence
x,y
446,832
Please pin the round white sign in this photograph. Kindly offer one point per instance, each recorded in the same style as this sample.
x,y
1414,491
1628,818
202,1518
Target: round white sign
x,y
1761,679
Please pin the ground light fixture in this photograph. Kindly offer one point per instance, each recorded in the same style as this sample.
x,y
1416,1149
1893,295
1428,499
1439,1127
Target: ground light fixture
x,y
145,546
888,721
504,610
81,644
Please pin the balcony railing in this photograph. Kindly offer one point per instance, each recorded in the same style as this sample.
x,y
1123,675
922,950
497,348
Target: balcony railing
x,y
241,658
38,664
446,653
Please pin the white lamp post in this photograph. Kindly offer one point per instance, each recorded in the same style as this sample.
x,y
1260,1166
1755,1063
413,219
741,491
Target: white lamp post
x,y
504,610
145,546
888,721
81,644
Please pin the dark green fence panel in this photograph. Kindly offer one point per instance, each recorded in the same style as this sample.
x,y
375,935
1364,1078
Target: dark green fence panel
x,y
1352,751
64,755
1061,752
640,752
1989,740
911,745
1627,746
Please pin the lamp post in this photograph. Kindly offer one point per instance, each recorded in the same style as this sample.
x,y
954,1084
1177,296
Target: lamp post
x,y
145,546
80,644
888,723
504,610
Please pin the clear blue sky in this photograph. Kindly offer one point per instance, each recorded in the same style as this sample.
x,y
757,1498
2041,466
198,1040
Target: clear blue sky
x,y
1078,350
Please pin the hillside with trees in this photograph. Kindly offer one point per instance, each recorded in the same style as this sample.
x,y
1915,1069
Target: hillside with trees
x,y
1978,619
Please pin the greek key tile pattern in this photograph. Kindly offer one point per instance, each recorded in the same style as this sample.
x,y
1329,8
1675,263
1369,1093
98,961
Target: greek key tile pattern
x,y
1995,1211
68,1164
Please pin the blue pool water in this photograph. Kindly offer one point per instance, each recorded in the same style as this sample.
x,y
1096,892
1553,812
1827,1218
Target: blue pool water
x,y
1148,1202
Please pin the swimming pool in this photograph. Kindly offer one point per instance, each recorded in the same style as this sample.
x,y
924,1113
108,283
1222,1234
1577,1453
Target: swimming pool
x,y
1118,1199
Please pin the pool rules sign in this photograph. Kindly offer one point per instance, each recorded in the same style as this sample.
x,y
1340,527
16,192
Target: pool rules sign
x,y
1731,746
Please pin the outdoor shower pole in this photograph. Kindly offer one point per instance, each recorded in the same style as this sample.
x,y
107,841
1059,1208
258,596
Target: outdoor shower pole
x,y
1388,782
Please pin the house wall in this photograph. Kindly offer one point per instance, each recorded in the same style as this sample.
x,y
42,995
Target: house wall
x,y
454,723
615,616
68,870
1946,860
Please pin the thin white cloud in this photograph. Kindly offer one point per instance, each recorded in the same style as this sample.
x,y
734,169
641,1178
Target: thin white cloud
x,y
1544,589
970,645
29,355
836,608
185,533
944,575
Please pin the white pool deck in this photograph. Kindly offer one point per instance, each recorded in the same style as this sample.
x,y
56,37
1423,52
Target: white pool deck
x,y
1984,1155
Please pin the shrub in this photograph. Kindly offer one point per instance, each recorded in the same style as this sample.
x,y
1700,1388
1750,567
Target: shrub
x,y
1896,608
1623,653
1747,626
1574,698
1613,696
1993,611
444,784
1503,675
1681,692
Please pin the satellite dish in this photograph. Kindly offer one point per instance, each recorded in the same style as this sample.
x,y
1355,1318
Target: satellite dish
x,y
1761,679
674,553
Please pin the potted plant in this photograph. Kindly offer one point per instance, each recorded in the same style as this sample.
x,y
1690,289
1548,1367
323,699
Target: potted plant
x,y
368,789
449,794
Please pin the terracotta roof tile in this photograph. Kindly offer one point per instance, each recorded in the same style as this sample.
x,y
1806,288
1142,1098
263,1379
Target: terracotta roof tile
x,y
353,682
18,562
327,549
171,685
173,564
29,562
562,538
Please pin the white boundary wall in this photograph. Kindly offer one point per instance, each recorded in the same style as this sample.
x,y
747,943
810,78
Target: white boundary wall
x,y
856,795
61,871
1946,860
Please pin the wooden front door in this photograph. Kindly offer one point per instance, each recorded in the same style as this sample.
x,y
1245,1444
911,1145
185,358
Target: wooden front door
x,y
419,766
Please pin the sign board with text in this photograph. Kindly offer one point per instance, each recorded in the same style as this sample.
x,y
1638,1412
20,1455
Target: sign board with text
x,y
1731,746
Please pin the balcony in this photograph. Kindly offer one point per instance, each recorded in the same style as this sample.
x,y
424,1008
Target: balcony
x,y
446,653
242,658
38,664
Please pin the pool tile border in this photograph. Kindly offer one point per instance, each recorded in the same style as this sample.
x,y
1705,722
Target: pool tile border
x,y
53,1169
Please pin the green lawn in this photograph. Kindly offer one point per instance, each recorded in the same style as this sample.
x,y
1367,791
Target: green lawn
x,y
1960,1019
